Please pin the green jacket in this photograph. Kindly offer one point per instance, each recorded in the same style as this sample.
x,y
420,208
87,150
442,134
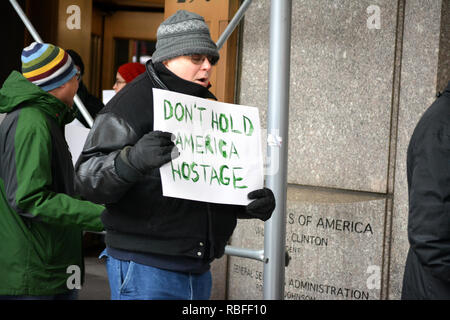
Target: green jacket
x,y
41,220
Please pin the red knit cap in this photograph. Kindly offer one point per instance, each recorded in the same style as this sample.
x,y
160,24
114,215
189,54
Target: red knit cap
x,y
131,70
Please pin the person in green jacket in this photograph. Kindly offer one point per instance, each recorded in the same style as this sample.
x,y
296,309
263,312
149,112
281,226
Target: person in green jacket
x,y
41,217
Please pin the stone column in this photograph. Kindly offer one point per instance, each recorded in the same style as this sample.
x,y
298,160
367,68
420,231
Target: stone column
x,y
418,87
362,72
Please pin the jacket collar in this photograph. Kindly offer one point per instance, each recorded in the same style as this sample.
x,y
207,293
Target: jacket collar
x,y
18,92
165,79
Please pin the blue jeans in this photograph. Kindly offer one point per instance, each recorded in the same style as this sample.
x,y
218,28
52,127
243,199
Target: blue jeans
x,y
133,281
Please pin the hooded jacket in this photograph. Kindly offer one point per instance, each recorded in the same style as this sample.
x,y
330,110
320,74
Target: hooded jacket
x,y
427,270
41,221
138,217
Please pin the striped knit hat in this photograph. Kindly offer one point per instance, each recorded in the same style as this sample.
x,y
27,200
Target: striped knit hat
x,y
47,66
184,33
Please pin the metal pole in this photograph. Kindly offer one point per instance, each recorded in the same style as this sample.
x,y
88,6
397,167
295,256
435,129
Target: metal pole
x,y
278,122
37,38
83,111
233,23
246,253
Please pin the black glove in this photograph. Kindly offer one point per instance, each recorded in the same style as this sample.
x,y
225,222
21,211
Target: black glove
x,y
152,151
263,205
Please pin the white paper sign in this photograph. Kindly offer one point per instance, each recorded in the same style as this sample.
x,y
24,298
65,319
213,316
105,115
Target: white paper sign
x,y
76,134
220,148
107,95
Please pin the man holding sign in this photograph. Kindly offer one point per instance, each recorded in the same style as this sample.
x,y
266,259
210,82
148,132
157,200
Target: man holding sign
x,y
160,246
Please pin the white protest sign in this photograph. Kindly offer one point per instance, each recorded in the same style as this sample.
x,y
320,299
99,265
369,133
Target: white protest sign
x,y
76,134
107,95
220,148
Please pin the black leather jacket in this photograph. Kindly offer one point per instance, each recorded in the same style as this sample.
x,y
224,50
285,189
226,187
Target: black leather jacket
x,y
138,217
427,270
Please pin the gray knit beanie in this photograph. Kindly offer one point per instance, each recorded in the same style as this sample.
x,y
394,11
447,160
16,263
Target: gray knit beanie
x,y
184,33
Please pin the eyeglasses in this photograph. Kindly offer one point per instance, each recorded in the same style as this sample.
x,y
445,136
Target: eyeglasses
x,y
119,81
198,59
78,74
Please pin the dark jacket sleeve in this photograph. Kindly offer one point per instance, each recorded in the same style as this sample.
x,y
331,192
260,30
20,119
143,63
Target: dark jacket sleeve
x,y
429,198
240,211
102,172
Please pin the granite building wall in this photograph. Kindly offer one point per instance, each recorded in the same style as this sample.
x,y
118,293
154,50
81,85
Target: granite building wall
x,y
362,73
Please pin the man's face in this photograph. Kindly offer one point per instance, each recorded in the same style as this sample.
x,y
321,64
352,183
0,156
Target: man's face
x,y
72,88
195,68
67,91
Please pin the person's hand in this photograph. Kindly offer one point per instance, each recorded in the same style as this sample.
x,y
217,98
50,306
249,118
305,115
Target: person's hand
x,y
152,151
263,204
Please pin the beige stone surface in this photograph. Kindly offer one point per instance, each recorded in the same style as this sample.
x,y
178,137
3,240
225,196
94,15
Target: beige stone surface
x,y
335,241
341,89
